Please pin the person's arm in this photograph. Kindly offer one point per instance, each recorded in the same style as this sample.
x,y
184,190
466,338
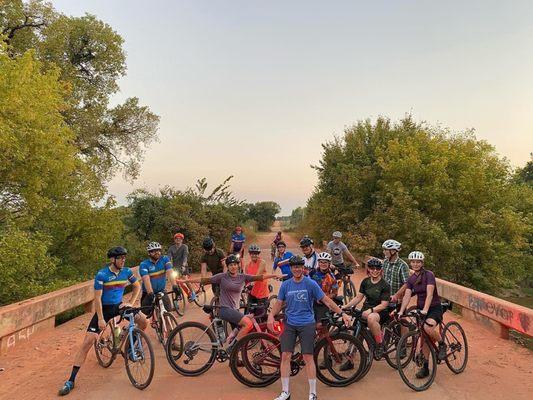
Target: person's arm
x,y
262,277
350,257
381,306
171,276
135,291
355,301
404,275
98,308
430,289
185,256
406,300
203,269
335,308
398,295
147,284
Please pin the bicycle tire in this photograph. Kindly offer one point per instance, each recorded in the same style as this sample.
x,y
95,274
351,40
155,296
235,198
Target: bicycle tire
x,y
179,302
390,356
413,338
109,344
141,337
241,352
354,347
173,360
447,328
170,323
201,297
366,339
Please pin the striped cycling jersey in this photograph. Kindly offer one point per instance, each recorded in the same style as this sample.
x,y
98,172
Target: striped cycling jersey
x,y
156,271
112,284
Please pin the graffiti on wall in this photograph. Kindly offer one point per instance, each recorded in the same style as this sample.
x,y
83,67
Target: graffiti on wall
x,y
499,311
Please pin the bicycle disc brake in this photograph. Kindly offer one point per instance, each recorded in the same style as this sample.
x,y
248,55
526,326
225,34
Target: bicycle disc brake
x,y
221,356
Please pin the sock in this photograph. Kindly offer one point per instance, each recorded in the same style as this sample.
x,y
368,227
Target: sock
x,y
285,385
378,338
312,386
74,372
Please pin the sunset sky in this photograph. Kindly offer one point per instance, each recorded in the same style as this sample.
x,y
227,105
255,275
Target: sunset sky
x,y
253,88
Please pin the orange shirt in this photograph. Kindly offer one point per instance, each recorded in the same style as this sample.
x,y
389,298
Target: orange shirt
x,y
260,289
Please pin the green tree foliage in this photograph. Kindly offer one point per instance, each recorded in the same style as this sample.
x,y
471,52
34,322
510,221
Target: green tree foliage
x,y
90,59
297,216
264,213
192,212
448,195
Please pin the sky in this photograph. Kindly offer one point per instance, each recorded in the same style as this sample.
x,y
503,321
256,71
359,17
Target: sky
x,y
253,88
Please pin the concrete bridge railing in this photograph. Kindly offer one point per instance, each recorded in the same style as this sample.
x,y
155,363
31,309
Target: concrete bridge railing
x,y
22,321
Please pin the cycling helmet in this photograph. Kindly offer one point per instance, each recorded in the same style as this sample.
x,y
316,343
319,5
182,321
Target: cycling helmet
x,y
254,248
391,244
374,262
337,234
306,241
232,259
416,255
324,256
296,260
208,243
281,243
179,235
153,246
116,251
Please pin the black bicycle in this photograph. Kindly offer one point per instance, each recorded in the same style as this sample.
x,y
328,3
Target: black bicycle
x,y
343,278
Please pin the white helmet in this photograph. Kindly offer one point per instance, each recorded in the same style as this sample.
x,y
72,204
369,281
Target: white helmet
x,y
391,244
337,234
153,246
416,255
324,256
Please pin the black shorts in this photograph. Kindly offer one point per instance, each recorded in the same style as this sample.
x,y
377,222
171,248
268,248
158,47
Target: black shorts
x,y
109,311
145,302
306,333
320,311
231,315
435,312
384,315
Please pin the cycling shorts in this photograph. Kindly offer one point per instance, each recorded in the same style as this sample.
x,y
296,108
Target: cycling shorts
x,y
305,333
109,311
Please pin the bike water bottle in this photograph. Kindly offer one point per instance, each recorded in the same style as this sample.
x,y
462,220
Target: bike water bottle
x,y
116,333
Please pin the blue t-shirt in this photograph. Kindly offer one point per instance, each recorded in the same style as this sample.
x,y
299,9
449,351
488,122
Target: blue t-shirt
x,y
112,285
238,241
156,272
299,298
285,269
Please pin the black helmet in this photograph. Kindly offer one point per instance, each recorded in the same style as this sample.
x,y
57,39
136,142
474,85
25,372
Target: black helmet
x,y
281,243
306,241
116,251
232,259
374,262
296,260
208,243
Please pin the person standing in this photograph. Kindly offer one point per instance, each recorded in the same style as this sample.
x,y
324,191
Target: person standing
x,y
178,253
282,260
339,250
257,266
395,270
212,259
298,295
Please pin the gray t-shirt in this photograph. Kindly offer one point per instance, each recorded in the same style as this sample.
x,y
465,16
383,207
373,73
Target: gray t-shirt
x,y
231,288
178,255
336,251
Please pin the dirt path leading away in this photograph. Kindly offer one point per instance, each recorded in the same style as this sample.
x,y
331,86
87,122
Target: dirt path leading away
x,y
497,369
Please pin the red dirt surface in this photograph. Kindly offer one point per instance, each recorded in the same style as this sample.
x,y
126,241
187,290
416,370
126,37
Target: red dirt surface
x,y
497,369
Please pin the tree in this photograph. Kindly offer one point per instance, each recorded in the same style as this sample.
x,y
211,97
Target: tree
x,y
264,213
446,194
525,174
297,217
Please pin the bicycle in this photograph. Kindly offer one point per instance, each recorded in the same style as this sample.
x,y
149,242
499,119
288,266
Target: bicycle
x,y
452,335
129,341
343,278
162,320
179,298
256,358
193,347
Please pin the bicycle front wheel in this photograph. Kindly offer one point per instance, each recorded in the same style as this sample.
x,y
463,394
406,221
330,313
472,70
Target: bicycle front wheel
x,y
201,297
104,347
255,359
191,348
454,337
140,362
343,356
419,366
179,302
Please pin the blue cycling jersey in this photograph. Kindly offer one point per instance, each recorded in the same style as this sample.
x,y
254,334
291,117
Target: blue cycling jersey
x,y
238,241
112,285
285,269
156,271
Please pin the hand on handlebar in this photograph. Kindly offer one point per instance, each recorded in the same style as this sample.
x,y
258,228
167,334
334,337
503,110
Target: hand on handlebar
x,y
347,320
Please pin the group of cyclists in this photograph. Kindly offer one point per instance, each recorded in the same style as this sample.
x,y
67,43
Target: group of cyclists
x,y
309,288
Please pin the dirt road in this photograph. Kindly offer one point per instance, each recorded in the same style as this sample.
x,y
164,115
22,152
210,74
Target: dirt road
x,y
497,369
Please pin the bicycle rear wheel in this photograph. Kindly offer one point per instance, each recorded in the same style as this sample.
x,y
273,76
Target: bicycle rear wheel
x,y
410,367
335,351
348,291
104,347
454,337
255,359
365,337
191,348
201,296
140,363
390,342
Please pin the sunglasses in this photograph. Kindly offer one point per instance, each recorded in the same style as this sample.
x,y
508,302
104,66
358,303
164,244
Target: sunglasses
x,y
254,252
120,258
375,268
